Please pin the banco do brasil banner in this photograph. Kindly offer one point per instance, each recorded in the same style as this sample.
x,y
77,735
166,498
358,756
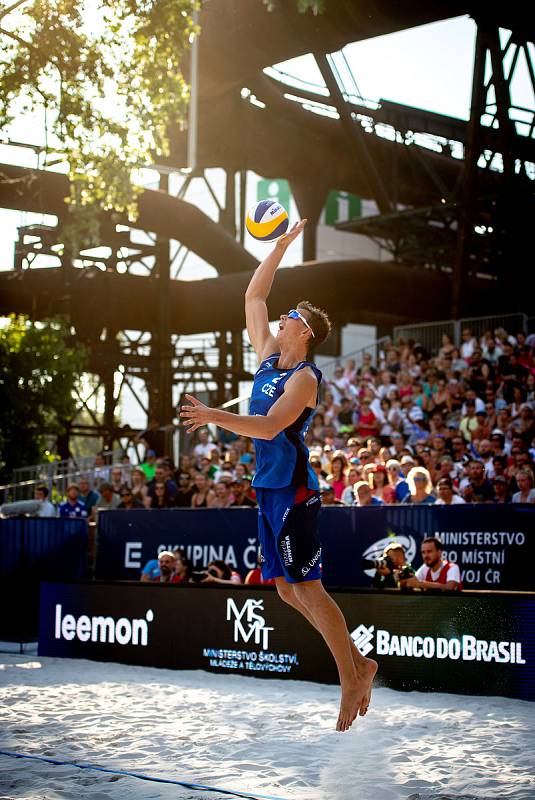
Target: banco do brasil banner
x,y
471,643
492,544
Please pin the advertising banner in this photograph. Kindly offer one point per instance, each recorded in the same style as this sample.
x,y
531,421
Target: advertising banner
x,y
491,543
470,643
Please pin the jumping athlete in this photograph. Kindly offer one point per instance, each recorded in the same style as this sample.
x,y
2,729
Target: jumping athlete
x,y
283,400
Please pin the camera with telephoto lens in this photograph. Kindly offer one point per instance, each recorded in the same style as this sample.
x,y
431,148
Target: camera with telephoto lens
x,y
377,563
198,577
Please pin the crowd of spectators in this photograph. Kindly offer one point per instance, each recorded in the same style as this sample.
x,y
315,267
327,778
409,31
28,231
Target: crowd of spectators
x,y
451,427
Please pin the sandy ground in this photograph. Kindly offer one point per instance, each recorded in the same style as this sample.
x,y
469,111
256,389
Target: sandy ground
x,y
268,737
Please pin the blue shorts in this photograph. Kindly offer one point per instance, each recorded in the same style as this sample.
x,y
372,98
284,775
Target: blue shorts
x,y
288,534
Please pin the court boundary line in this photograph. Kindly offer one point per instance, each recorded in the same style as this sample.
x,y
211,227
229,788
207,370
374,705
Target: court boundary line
x,y
140,776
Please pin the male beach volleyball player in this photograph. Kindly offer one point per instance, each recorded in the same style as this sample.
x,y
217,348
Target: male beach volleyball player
x,y
283,400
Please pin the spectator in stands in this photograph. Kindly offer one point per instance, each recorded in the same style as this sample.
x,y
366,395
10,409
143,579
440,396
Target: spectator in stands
x,y
204,446
107,500
88,496
447,346
337,476
468,345
379,484
220,572
420,487
182,566
501,490
239,496
469,421
160,497
223,496
396,480
139,484
203,496
72,508
128,501
368,424
363,495
154,440
526,493
160,477
328,497
353,475
481,490
436,573
149,465
116,481
167,564
446,495
101,471
185,491
47,508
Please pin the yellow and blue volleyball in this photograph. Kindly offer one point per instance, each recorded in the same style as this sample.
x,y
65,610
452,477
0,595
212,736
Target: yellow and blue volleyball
x,y
267,220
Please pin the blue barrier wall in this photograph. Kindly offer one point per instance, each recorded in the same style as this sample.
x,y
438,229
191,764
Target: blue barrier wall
x,y
491,543
32,550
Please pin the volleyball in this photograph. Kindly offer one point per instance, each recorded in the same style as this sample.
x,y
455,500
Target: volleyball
x,y
267,220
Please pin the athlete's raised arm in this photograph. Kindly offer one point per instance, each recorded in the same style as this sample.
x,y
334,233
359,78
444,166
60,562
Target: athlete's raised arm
x,y
256,313
299,392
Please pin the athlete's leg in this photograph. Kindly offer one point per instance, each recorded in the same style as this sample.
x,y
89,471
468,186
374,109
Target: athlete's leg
x,y
325,615
365,666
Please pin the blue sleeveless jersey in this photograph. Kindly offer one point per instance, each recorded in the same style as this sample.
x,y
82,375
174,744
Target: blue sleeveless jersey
x,y
283,461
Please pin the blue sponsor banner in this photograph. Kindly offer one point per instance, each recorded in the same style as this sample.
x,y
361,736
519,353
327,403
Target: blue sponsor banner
x,y
492,544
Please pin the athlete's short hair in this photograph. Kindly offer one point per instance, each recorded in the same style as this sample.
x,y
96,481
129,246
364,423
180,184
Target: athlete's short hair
x,y
318,321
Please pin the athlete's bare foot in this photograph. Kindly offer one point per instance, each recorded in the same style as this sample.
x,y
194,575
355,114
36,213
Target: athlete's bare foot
x,y
368,674
353,696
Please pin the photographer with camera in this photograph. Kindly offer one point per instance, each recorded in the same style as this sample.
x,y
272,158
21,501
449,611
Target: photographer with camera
x,y
392,570
217,571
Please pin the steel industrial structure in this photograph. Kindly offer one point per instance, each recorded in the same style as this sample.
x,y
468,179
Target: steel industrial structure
x,y
455,199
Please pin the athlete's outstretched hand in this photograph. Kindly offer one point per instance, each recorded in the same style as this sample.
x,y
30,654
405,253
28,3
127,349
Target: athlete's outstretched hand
x,y
197,414
292,234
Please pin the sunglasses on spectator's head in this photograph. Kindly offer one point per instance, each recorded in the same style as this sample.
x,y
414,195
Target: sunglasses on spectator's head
x,y
295,314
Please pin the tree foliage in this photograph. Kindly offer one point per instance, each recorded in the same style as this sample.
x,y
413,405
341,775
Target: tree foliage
x,y
109,75
39,368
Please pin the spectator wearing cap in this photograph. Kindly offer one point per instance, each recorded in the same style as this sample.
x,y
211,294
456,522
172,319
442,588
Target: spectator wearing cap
x,y
167,568
501,490
380,486
239,496
445,494
108,499
420,487
72,508
328,498
526,492
128,501
363,495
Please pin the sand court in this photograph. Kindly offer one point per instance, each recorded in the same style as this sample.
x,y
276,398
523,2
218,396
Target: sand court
x,y
265,737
